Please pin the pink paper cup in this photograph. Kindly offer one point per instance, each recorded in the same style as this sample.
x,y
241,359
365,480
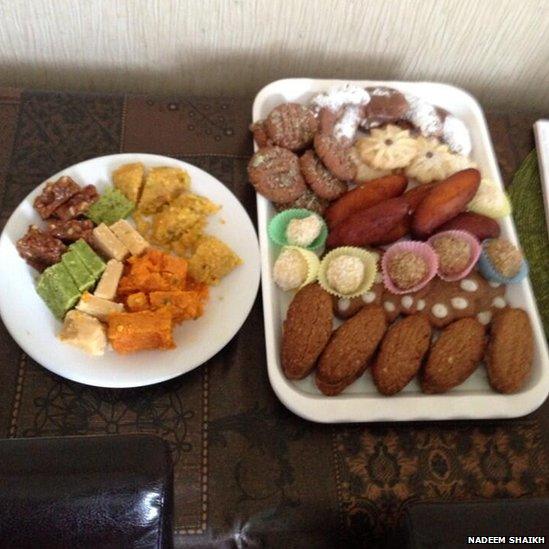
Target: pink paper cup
x,y
420,249
474,246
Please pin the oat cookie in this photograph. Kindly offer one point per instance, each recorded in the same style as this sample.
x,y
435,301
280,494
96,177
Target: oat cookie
x,y
306,331
402,350
275,173
349,350
319,178
308,200
335,156
291,126
510,351
454,356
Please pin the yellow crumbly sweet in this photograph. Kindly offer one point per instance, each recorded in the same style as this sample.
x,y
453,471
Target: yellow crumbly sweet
x,y
128,179
180,224
162,185
212,260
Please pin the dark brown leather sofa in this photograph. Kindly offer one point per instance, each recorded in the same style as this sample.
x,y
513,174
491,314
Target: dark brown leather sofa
x,y
91,491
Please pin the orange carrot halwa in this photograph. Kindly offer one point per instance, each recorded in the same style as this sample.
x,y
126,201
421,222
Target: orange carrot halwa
x,y
155,286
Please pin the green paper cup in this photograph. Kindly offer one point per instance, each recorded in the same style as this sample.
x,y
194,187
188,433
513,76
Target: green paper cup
x,y
279,223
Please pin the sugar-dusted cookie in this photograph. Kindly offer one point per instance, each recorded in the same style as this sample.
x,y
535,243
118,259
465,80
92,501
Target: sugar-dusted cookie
x,y
386,105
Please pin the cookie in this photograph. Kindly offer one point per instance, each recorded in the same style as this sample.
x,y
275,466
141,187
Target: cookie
x,y
443,302
456,135
275,173
365,172
338,97
260,134
335,156
401,353
291,126
341,123
306,331
426,118
319,178
510,351
386,105
387,148
454,356
433,121
308,200
349,350
432,162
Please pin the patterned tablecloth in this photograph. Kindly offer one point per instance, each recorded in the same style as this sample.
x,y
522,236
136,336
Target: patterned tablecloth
x,y
246,469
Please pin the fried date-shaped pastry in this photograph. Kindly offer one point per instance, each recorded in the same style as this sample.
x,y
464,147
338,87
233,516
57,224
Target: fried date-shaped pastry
x,y
71,230
415,196
40,249
350,348
77,204
368,226
365,196
454,356
510,351
402,350
478,225
55,194
401,229
445,201
306,330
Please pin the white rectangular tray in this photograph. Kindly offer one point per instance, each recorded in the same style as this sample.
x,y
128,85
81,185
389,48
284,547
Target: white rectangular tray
x,y
361,402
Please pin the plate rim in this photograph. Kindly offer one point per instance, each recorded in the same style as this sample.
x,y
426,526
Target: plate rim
x,y
113,384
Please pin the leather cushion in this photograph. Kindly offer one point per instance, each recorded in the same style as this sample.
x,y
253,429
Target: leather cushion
x,y
91,491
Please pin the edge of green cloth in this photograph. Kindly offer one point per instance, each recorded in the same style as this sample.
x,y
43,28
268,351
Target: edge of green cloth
x,y
526,196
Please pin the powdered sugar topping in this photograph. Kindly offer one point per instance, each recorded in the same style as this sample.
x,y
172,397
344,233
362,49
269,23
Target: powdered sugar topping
x,y
382,92
423,115
456,135
338,96
347,125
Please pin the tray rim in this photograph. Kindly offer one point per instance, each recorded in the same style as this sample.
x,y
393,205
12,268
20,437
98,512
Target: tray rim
x,y
342,408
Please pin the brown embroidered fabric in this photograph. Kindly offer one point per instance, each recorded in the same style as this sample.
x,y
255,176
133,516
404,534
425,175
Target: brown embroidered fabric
x,y
247,471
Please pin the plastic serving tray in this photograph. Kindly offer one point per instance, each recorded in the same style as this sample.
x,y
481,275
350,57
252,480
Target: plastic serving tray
x,y
361,402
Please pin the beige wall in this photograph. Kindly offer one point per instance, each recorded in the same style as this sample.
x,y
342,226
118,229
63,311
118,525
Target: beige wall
x,y
498,49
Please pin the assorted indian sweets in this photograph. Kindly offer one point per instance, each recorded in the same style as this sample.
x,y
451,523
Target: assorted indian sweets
x,y
112,283
386,223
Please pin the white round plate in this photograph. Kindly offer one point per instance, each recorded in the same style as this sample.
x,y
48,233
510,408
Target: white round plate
x,y
34,328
